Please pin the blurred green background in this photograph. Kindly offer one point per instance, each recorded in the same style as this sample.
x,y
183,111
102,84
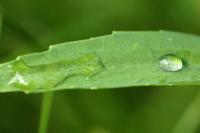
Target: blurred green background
x,y
32,25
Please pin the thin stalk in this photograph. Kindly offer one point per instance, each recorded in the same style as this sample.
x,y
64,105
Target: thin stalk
x,y
190,120
45,112
22,33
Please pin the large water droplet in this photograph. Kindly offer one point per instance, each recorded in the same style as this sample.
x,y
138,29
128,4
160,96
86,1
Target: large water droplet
x,y
170,63
48,76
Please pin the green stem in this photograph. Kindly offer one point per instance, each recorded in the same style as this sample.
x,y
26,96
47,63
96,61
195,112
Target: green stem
x,y
45,112
190,120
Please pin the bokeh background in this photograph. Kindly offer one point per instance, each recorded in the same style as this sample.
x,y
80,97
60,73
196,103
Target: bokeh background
x,y
32,25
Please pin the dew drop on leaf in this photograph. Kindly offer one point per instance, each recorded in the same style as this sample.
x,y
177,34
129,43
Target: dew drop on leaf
x,y
170,63
18,79
47,76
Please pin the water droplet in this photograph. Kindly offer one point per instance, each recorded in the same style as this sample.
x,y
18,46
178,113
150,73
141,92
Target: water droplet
x,y
47,76
18,78
170,63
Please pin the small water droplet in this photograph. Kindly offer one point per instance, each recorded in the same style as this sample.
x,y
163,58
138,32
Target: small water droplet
x,y
18,79
170,63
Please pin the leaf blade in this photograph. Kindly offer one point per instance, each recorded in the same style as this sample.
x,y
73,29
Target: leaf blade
x,y
122,59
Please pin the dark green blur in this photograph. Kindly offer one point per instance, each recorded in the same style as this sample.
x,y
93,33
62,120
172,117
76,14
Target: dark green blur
x,y
32,25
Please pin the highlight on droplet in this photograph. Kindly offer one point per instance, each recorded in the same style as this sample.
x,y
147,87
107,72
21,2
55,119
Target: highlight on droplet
x,y
170,63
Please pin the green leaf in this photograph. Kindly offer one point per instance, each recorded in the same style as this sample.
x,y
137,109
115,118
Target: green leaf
x,y
122,59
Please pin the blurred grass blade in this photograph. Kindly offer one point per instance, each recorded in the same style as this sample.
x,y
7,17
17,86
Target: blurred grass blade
x,y
122,59
1,21
22,33
190,120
